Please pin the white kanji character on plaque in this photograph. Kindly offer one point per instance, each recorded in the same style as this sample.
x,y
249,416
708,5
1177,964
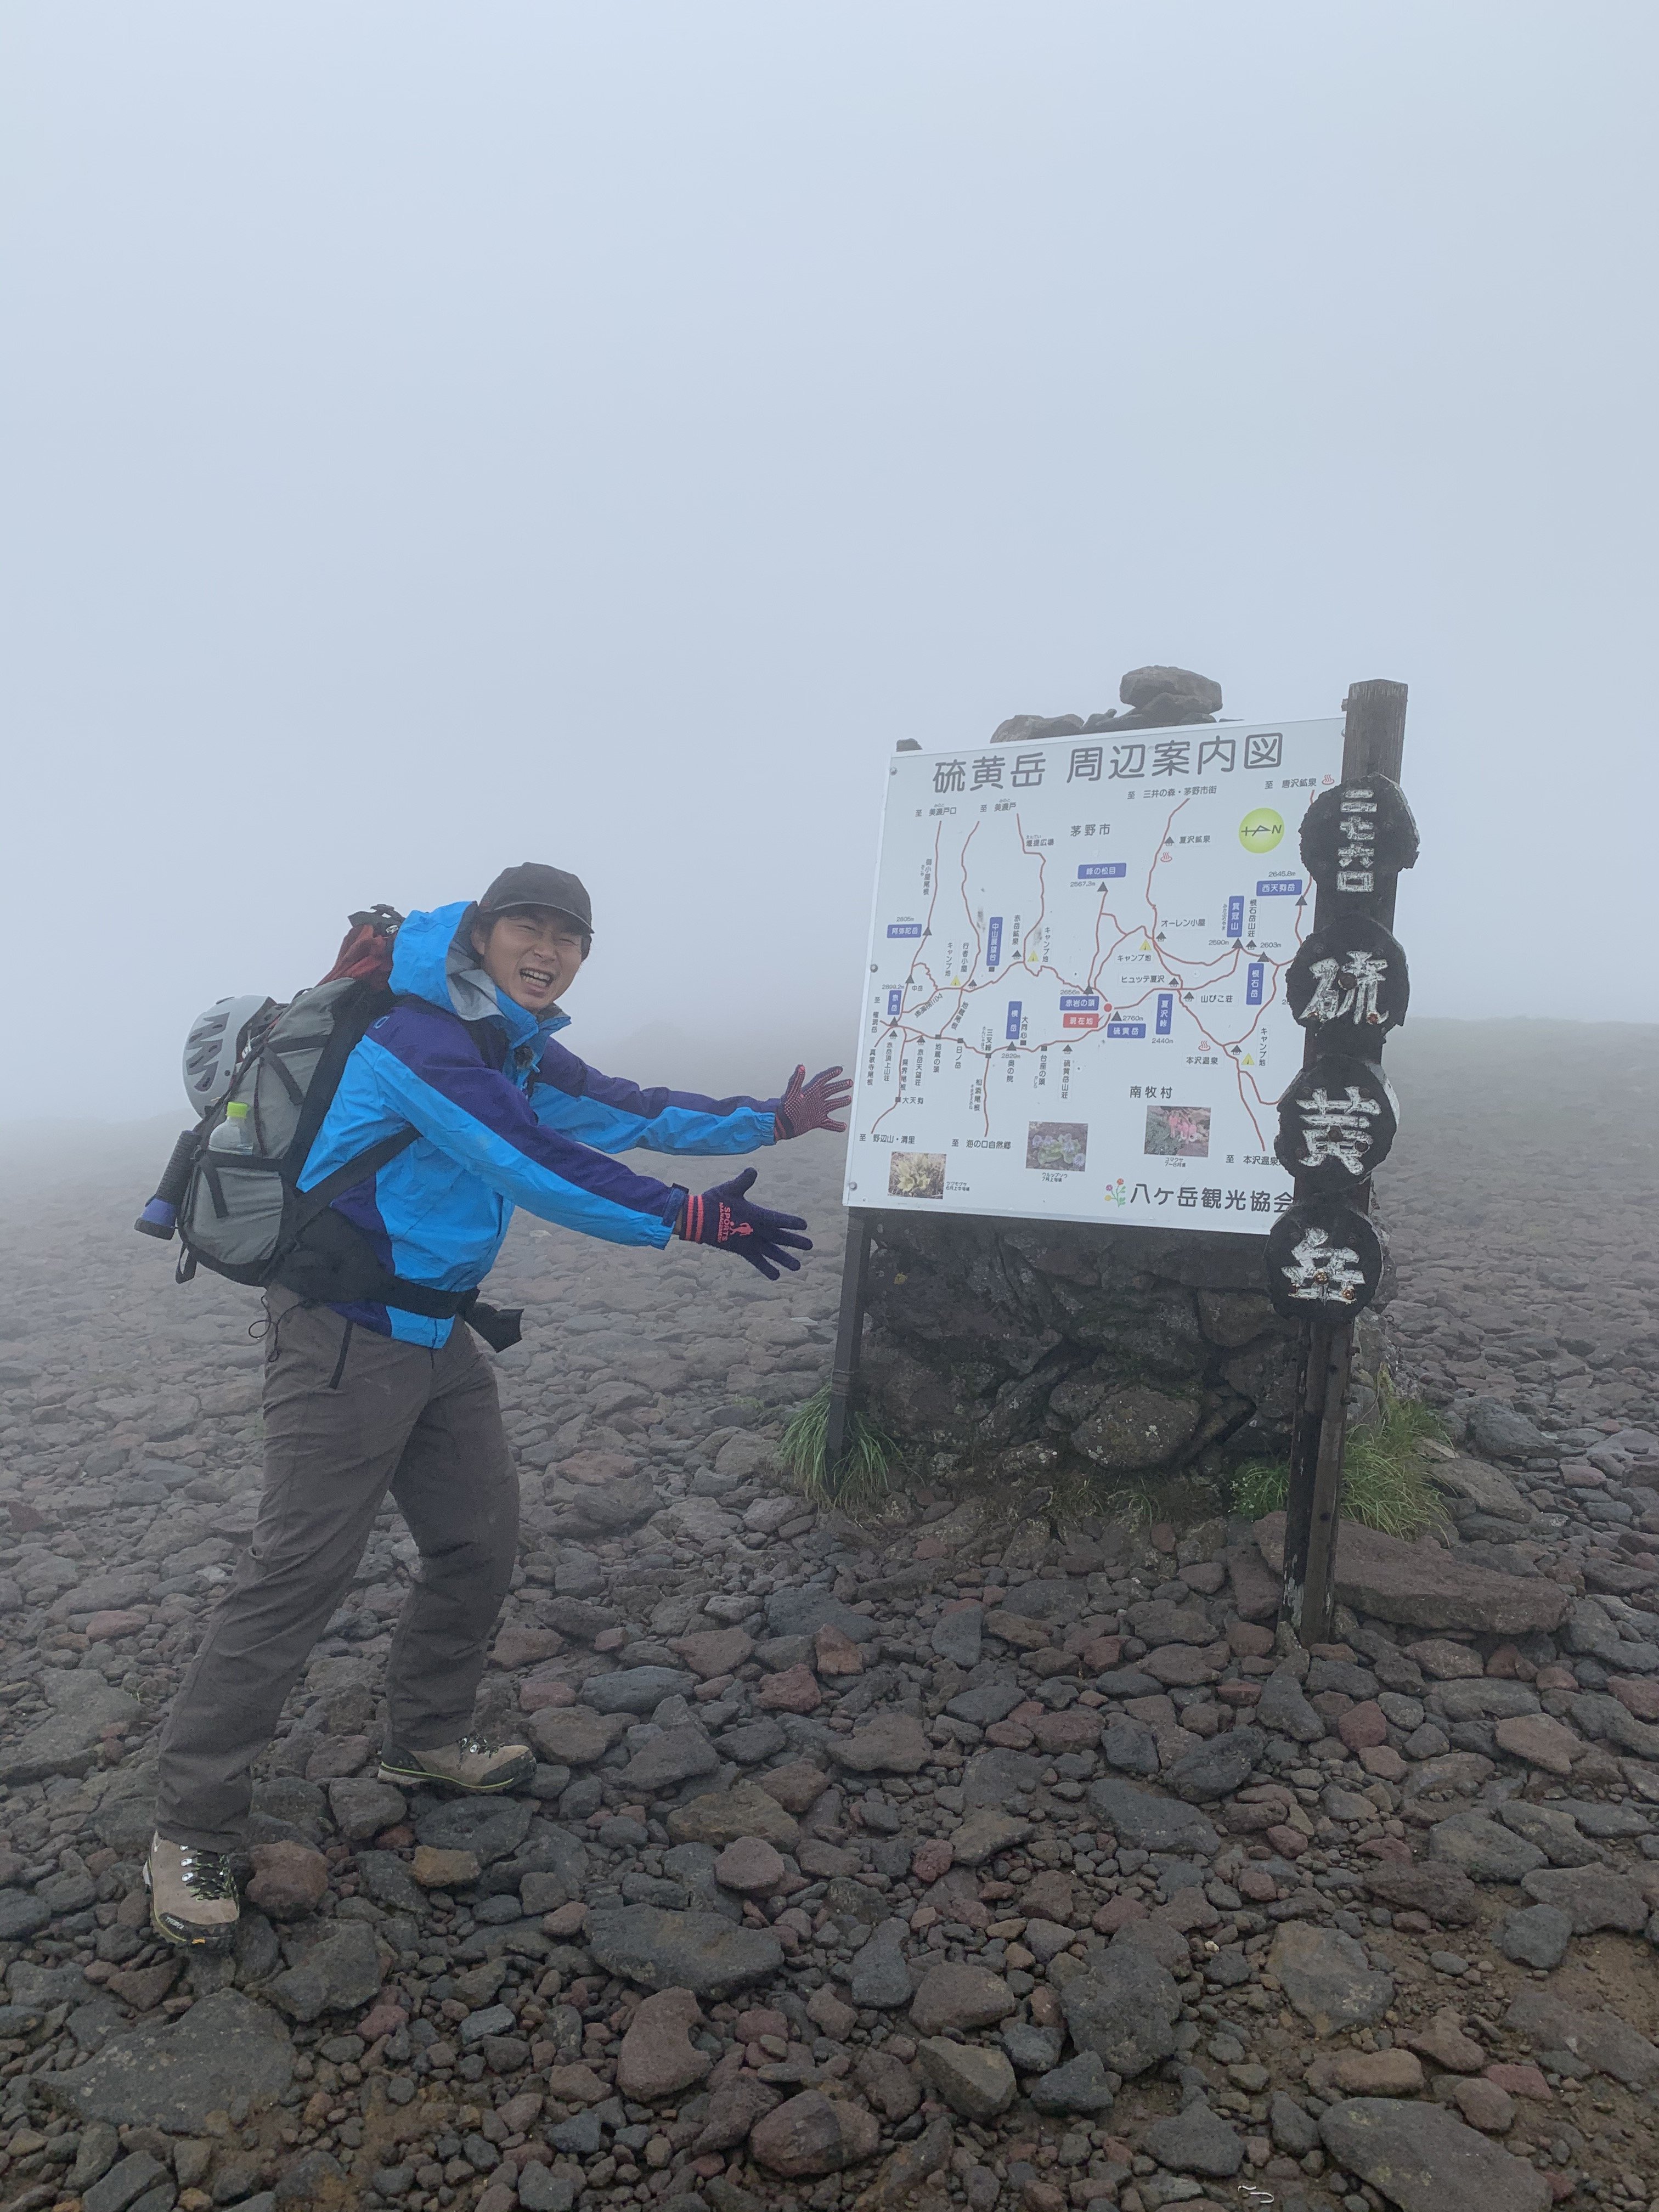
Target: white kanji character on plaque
x,y
1348,988
1323,1274
1337,1129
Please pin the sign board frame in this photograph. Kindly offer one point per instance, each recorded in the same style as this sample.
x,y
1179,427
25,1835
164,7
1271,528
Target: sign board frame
x,y
1024,965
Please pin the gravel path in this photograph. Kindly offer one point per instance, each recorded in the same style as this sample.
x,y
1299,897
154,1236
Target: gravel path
x,y
864,1868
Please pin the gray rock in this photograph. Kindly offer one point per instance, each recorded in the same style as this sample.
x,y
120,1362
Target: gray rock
x,y
1159,1620
1283,1708
1130,1747
638,1690
1496,1428
491,1828
1554,1832
1219,1767
1292,2130
1328,1978
959,1996
988,1702
702,1951
1079,2086
1605,1820
337,1974
1123,2008
20,1914
973,2080
293,1803
992,1778
1176,690
677,1756
1538,1936
880,1978
751,1741
985,1833
1482,1699
97,2151
384,1877
1424,2159
1197,2140
172,2075
1484,1850
1591,1897
804,1612
958,1636
67,1741
1031,2048
124,2182
1595,1714
1148,1823
1424,1586
361,1808
490,2020
541,2189
1601,2039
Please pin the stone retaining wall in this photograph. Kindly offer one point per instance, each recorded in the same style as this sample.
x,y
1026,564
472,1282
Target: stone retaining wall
x,y
1033,1348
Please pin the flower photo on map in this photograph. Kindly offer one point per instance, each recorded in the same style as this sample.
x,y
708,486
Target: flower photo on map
x,y
916,1174
1181,1132
1053,1145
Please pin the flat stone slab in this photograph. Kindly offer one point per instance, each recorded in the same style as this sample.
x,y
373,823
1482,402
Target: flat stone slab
x,y
1424,1586
804,1612
1591,1897
1601,2039
171,2075
1481,1484
1328,1978
1445,1892
702,1951
1123,2008
1424,2160
66,1741
1149,1823
891,1743
986,1832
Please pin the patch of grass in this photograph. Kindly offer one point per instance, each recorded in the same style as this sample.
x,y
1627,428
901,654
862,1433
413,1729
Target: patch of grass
x,y
1384,1485
863,1481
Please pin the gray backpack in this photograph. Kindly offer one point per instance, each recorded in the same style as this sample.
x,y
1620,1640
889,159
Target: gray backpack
x,y
262,1076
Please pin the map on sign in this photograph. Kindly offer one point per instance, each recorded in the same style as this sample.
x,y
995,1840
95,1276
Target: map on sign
x,y
1075,1005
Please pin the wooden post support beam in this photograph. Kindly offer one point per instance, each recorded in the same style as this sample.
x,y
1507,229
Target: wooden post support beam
x,y
1373,744
849,1338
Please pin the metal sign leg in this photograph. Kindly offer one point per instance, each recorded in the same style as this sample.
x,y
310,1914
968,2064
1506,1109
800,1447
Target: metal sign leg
x,y
849,1334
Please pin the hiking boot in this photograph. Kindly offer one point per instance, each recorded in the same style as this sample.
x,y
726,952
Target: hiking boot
x,y
192,1896
474,1763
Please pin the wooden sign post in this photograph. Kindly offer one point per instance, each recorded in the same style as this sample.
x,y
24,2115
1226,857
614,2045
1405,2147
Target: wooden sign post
x,y
1348,987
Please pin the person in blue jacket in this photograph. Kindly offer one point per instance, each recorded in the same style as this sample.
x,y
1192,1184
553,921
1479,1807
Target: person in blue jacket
x,y
373,1380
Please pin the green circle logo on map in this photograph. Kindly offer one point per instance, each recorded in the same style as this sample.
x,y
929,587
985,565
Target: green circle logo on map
x,y
1261,830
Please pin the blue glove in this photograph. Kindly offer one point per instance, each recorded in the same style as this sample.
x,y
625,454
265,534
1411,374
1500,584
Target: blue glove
x,y
755,1233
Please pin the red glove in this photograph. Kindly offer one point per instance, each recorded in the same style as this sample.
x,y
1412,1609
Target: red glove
x,y
806,1106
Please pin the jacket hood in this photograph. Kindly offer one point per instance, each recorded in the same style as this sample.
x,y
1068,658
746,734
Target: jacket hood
x,y
433,959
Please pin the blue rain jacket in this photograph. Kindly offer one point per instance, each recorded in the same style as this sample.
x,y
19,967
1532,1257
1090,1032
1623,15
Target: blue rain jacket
x,y
506,1117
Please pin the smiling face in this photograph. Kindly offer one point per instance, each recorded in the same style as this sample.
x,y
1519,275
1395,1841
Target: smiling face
x,y
534,954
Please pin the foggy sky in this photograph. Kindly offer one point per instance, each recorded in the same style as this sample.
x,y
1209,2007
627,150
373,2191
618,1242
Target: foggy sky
x,y
438,436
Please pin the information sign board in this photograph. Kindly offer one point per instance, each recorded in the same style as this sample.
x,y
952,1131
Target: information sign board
x,y
1075,998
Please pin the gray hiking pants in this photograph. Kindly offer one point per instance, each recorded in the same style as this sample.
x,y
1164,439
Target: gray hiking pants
x,y
348,1416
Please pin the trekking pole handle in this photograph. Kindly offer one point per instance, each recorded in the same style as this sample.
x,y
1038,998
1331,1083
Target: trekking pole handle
x,y
160,1216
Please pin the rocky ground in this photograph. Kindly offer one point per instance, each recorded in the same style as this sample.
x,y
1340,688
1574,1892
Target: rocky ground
x,y
866,1862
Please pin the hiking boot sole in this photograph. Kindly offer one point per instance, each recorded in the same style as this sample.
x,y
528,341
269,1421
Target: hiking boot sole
x,y
515,1779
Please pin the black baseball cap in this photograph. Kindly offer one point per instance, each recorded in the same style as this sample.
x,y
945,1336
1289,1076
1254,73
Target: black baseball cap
x,y
533,884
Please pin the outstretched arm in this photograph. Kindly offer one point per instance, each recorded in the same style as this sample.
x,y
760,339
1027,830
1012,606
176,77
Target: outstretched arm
x,y
613,1114
424,1070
